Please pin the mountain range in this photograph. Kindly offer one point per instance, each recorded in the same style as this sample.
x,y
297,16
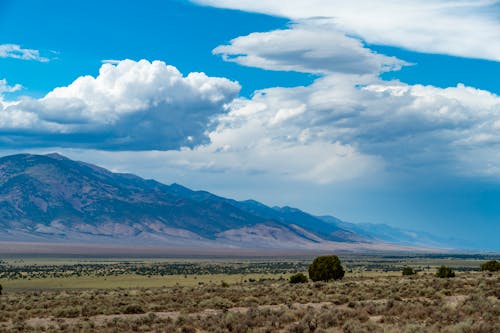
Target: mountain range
x,y
51,198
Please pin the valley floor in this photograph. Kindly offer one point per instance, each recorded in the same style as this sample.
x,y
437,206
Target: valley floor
x,y
469,302
150,295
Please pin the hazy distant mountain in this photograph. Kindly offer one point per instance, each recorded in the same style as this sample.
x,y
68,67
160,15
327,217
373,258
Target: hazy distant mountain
x,y
377,232
55,199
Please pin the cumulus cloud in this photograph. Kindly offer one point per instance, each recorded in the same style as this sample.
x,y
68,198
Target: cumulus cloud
x,y
130,105
250,140
341,128
17,52
310,47
456,27
5,88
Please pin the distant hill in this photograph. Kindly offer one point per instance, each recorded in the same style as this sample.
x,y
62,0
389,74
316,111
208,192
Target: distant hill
x,y
385,233
50,198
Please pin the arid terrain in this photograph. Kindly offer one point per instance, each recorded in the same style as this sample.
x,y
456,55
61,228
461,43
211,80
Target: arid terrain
x,y
246,295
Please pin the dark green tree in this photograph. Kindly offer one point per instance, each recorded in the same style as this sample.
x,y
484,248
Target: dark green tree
x,y
491,266
445,272
298,278
409,271
325,268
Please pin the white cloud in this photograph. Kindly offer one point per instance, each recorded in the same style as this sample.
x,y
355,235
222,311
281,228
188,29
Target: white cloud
x,y
111,61
456,27
17,52
309,47
130,105
349,124
340,129
6,88
391,125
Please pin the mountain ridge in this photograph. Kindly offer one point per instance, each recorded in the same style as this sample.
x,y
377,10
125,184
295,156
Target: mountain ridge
x,y
53,198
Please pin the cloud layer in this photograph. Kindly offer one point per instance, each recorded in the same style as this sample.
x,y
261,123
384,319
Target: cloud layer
x,y
128,106
456,27
344,126
341,129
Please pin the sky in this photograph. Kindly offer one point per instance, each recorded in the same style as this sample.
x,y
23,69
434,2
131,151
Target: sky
x,y
374,112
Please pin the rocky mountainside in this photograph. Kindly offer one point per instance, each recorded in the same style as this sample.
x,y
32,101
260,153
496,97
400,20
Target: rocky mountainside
x,y
53,198
50,198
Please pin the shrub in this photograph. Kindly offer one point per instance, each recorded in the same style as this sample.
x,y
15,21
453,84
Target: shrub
x,y
1,288
188,329
67,312
325,268
409,271
216,302
298,278
445,272
133,309
492,266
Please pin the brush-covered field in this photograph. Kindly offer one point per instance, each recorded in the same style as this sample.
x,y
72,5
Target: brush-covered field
x,y
245,295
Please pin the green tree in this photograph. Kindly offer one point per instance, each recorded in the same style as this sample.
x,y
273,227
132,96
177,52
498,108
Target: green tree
x,y
491,266
298,278
325,268
409,271
445,272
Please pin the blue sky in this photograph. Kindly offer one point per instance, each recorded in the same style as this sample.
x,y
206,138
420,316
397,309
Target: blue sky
x,y
82,35
386,114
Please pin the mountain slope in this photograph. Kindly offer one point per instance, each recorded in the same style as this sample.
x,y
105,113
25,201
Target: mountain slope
x,y
286,215
50,197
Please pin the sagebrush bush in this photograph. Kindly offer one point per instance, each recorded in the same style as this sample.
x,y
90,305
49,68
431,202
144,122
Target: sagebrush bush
x,y
133,309
491,266
445,272
298,278
67,312
409,271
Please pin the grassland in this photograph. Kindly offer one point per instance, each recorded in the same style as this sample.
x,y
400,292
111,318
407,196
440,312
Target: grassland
x,y
55,294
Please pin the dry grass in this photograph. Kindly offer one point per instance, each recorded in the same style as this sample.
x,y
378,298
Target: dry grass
x,y
423,303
